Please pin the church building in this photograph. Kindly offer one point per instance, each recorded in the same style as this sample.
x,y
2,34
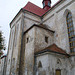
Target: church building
x,y
42,40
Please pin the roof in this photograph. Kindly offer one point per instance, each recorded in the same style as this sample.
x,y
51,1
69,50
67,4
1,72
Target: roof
x,y
37,10
54,6
52,48
34,9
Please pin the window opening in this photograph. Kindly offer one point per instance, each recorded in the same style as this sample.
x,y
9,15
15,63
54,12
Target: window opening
x,y
27,40
46,39
70,29
39,64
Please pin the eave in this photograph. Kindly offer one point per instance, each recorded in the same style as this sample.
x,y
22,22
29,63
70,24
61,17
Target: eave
x,y
34,25
47,50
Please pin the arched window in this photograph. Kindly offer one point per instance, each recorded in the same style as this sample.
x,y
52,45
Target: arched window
x,y
39,64
58,61
70,29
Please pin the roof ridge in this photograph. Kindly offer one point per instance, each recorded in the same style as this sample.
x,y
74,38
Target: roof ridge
x,y
34,9
34,4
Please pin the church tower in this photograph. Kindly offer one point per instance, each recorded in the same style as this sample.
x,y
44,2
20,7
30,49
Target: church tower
x,y
46,4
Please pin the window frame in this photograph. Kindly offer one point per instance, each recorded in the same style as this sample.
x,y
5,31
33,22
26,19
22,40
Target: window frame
x,y
70,30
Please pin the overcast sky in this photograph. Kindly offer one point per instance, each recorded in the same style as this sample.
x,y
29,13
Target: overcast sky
x,y
8,9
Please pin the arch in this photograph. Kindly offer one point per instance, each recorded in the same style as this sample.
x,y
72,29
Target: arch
x,y
59,64
39,64
70,29
58,61
66,12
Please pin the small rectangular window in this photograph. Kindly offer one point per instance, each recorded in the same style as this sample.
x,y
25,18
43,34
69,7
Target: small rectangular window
x,y
46,39
27,39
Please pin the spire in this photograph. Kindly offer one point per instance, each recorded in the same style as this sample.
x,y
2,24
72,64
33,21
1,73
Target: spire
x,y
46,4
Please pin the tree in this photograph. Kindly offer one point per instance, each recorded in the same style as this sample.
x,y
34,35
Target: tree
x,y
1,43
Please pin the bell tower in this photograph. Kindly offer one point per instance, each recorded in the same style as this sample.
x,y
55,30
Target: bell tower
x,y
46,4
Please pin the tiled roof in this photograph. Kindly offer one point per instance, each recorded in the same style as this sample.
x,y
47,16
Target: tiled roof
x,y
34,9
37,10
52,48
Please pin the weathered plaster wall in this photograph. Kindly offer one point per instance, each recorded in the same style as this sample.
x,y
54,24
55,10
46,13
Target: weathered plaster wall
x,y
44,70
51,62
15,40
29,52
40,35
16,49
57,21
1,66
10,50
30,19
13,46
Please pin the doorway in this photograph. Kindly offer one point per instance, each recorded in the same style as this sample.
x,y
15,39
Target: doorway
x,y
58,72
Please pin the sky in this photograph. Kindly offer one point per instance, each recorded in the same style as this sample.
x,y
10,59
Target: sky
x,y
8,10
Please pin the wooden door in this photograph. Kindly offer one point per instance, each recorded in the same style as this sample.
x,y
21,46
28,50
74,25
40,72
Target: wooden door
x,y
58,72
